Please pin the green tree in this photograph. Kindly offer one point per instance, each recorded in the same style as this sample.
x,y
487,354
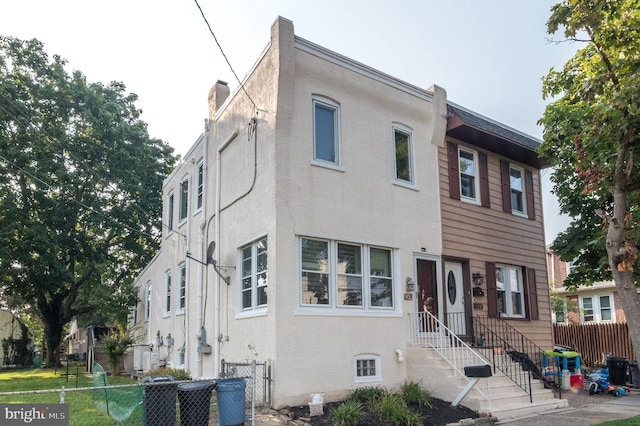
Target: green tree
x,y
80,190
591,137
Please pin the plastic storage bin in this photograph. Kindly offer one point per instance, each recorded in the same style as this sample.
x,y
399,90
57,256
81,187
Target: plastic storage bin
x,y
617,370
159,401
195,402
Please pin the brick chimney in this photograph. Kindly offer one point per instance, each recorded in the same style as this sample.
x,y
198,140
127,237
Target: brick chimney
x,y
217,95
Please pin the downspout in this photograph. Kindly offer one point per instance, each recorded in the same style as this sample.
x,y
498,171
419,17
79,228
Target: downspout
x,y
218,316
201,242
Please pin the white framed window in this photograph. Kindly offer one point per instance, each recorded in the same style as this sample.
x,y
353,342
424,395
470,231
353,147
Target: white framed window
x,y
183,209
170,202
182,288
516,179
367,368
469,181
200,186
510,291
254,275
326,132
134,314
167,294
560,312
597,308
403,154
344,276
147,306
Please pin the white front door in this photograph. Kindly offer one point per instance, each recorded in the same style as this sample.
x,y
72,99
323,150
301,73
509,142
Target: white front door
x,y
454,297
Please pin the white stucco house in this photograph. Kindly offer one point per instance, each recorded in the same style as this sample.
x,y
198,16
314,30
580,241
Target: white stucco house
x,y
318,183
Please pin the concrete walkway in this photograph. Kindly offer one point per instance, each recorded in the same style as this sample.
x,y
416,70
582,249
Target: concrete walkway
x,y
585,410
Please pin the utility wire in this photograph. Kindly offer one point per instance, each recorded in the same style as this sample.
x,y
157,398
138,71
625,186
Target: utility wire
x,y
225,56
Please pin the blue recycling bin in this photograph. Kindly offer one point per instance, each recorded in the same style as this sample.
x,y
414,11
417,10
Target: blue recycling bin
x,y
231,401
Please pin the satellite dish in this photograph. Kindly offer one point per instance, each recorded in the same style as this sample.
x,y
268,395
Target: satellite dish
x,y
210,250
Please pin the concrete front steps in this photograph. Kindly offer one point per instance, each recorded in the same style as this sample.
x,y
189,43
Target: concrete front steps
x,y
508,400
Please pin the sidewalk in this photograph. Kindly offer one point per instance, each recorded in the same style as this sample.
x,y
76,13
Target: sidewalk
x,y
585,410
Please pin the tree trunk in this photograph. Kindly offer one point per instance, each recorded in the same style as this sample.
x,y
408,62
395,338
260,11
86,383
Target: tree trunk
x,y
621,270
54,323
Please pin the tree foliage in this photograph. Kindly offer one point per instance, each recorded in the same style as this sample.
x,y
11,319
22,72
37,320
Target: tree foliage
x,y
591,137
80,189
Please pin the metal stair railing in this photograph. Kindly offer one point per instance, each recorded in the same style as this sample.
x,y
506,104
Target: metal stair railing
x,y
509,351
428,331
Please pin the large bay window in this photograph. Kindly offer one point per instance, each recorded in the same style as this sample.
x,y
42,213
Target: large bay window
x,y
346,276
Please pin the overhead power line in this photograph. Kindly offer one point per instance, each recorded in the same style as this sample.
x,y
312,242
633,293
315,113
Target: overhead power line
x,y
225,56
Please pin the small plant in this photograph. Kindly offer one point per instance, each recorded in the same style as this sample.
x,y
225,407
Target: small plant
x,y
366,395
175,373
393,409
414,394
348,413
116,344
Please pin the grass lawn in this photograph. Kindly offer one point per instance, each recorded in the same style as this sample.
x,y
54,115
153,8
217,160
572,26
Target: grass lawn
x,y
633,421
82,410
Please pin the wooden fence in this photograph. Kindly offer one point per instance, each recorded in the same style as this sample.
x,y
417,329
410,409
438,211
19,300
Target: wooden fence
x,y
595,341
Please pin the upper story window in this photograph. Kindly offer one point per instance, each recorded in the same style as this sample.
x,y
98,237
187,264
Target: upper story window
x,y
254,275
468,175
326,131
200,186
510,290
182,290
167,304
134,314
403,152
345,276
184,200
147,307
596,308
170,202
517,190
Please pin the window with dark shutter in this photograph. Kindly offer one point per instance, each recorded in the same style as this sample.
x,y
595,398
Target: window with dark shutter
x,y
492,295
528,182
531,292
506,186
484,179
454,171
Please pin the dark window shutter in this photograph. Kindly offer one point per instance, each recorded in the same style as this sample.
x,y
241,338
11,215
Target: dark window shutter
x,y
531,293
454,171
484,180
528,186
506,186
492,294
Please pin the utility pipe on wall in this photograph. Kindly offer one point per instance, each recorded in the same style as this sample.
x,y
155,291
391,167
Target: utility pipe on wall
x,y
216,351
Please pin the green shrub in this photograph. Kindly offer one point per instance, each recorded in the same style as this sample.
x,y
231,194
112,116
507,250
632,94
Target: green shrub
x,y
177,374
414,394
366,395
348,413
393,409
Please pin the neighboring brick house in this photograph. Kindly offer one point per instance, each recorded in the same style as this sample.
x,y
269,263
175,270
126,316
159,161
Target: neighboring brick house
x,y
310,219
595,303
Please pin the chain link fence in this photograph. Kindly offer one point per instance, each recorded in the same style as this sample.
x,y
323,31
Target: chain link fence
x,y
160,400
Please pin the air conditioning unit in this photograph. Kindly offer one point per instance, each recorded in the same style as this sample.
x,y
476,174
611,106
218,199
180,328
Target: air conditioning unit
x,y
149,361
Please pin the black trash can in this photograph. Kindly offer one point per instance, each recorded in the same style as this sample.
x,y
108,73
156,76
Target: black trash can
x,y
231,401
159,401
634,374
195,402
617,370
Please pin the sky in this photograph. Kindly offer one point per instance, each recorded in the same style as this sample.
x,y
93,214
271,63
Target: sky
x,y
489,55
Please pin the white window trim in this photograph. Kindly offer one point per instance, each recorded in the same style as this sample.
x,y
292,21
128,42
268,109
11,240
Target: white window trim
x,y
412,169
476,176
522,213
330,104
254,310
147,302
333,309
197,188
182,220
367,379
168,291
170,213
597,309
180,310
507,291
